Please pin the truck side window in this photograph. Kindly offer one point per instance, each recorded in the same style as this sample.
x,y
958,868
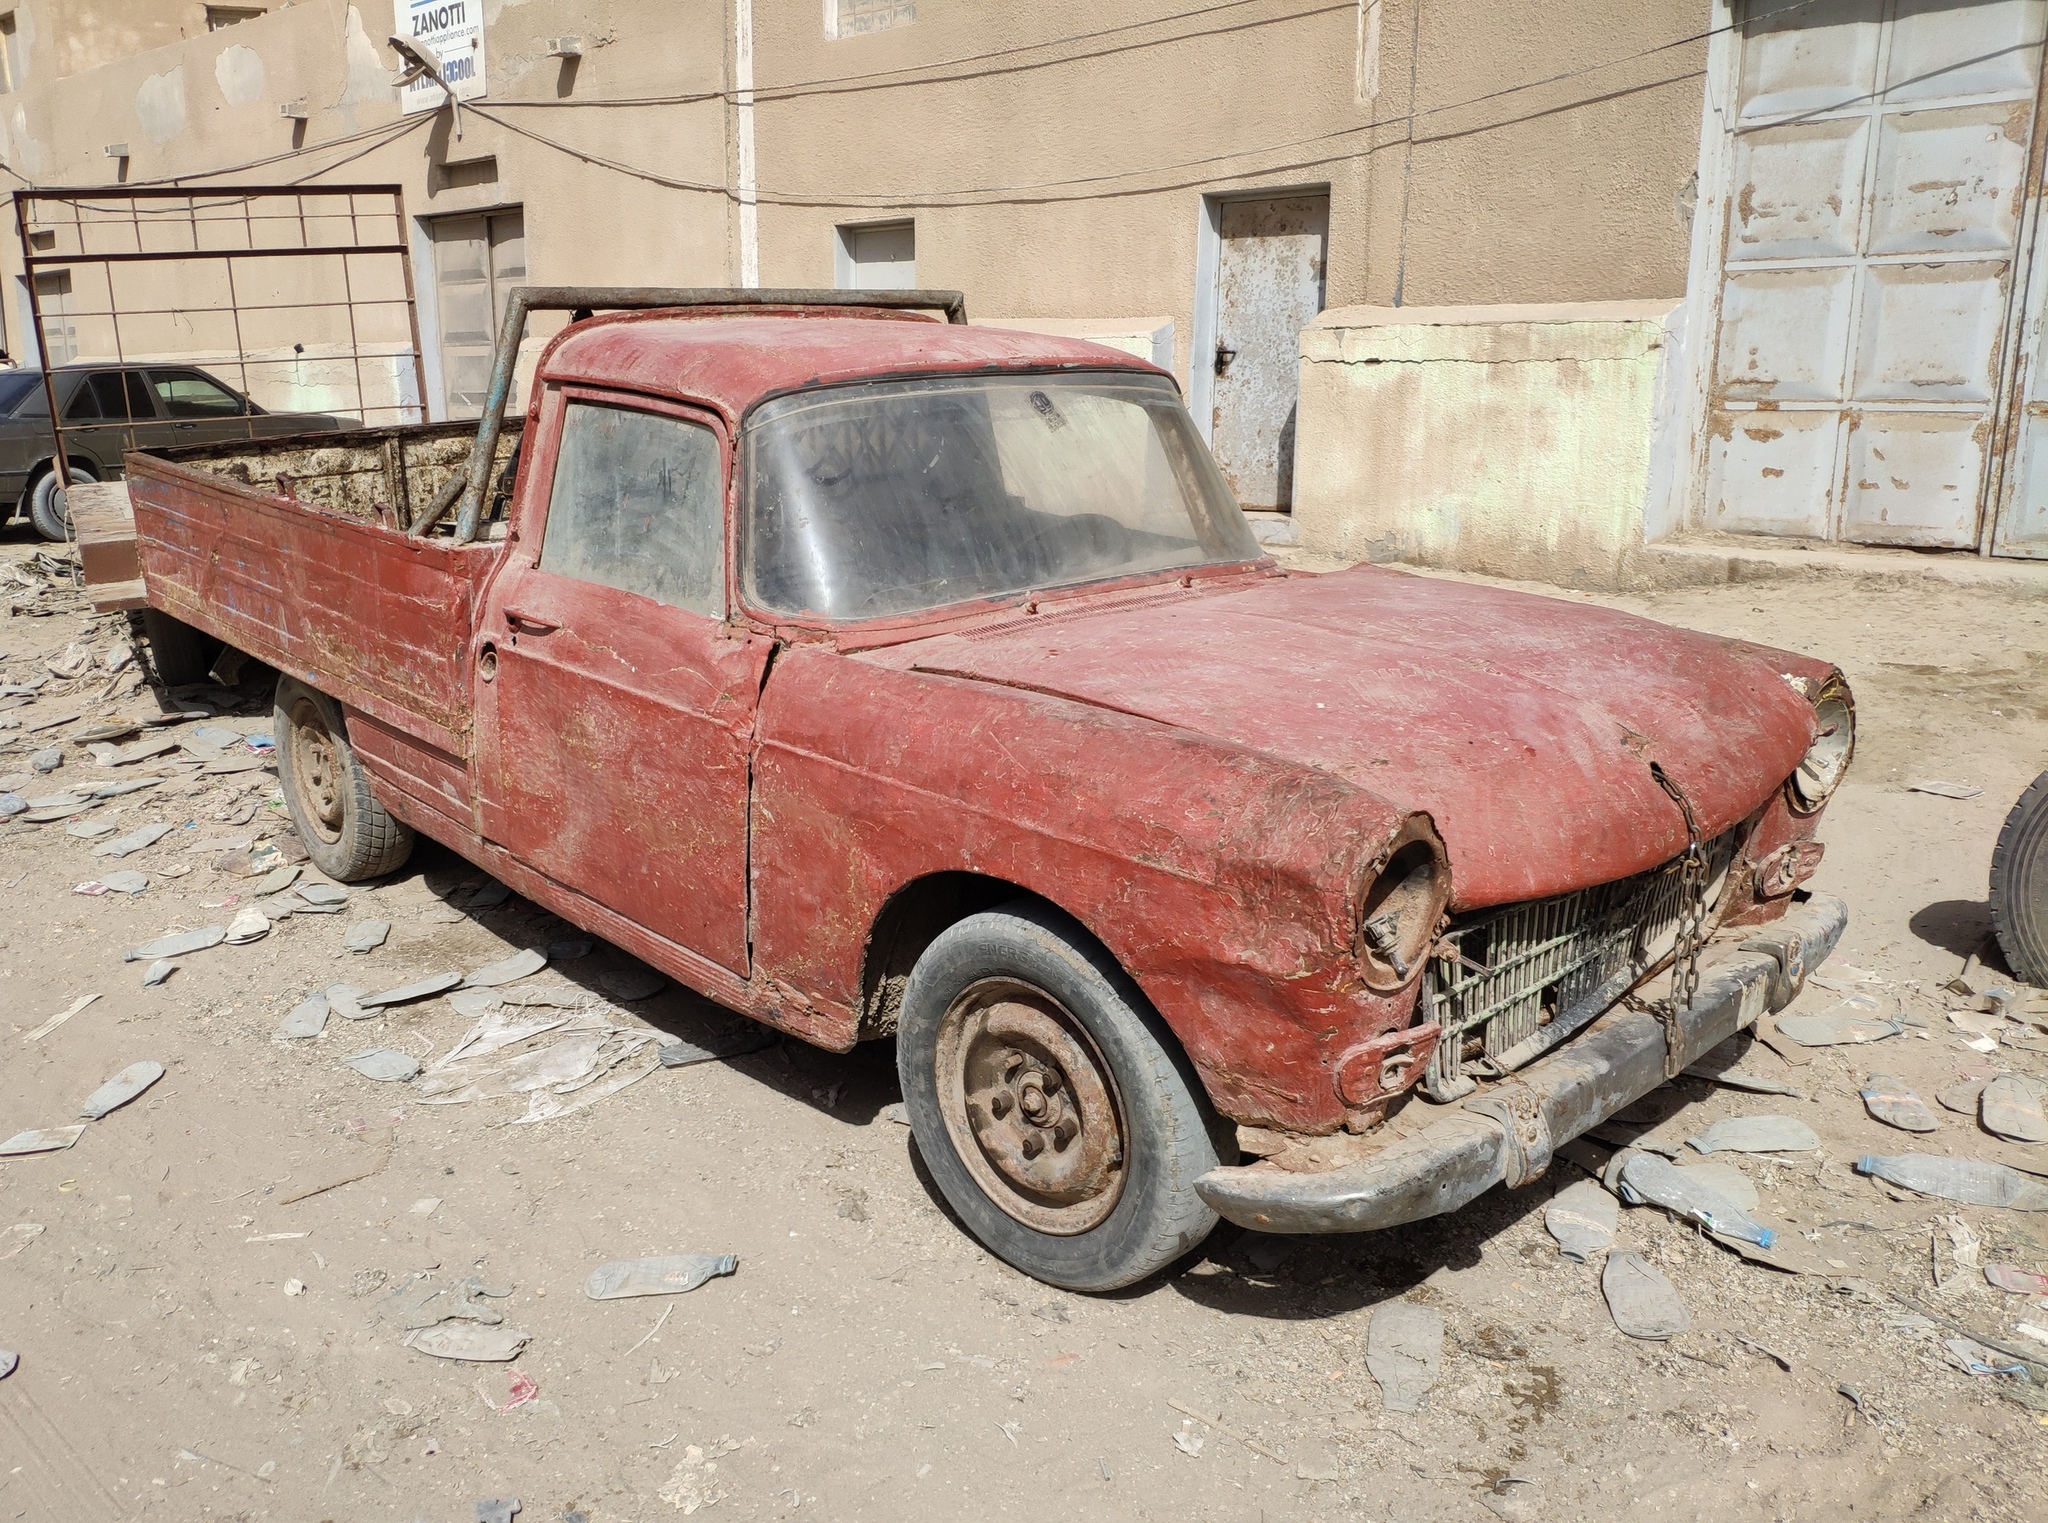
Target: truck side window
x,y
636,505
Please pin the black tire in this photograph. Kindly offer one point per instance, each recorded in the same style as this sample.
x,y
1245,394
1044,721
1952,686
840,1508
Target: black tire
x,y
51,521
2019,885
1035,972
347,833
178,653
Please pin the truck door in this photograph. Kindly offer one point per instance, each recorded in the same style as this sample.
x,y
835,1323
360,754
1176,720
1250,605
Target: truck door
x,y
615,706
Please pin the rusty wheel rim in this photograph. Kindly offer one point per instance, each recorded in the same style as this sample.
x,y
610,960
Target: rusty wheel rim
x,y
1030,1107
316,771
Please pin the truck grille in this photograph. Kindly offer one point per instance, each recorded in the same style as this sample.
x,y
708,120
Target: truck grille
x,y
1552,965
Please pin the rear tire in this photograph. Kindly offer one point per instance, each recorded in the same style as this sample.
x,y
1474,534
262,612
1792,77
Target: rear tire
x,y
347,833
2019,885
53,521
1055,1111
178,653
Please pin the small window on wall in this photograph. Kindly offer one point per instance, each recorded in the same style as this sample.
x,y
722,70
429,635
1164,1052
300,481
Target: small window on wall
x,y
851,18
220,17
10,54
877,256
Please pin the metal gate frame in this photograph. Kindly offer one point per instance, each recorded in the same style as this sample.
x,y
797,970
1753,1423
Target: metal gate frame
x,y
213,197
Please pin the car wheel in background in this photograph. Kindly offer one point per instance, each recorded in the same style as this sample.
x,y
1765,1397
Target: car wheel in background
x,y
1055,1111
2019,885
45,511
178,653
347,833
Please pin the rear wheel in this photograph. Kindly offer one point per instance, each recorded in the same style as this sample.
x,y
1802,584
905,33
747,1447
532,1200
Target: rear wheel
x,y
46,510
178,653
2019,885
347,833
1056,1113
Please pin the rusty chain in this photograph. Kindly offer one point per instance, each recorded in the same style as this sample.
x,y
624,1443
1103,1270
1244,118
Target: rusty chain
x,y
1692,924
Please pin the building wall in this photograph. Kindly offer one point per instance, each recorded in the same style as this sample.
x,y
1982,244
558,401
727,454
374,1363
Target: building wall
x,y
1057,181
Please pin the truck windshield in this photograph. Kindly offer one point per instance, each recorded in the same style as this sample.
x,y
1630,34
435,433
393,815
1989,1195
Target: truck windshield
x,y
891,498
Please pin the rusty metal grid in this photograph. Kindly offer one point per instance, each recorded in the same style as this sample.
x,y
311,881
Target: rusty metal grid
x,y
270,222
1551,964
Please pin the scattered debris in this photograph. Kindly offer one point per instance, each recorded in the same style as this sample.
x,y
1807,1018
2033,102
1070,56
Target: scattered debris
x,y
179,944
1643,1303
321,896
469,1340
1756,1134
421,1303
669,1276
348,1177
1186,1440
490,896
1404,1347
2011,1108
367,935
157,972
1720,1067
342,1000
1962,1098
60,1018
497,1510
1724,1177
384,1064
49,1139
897,1112
1889,1100
405,994
1945,790
1766,1350
119,1090
1849,1028
9,1362
1245,1438
1582,1218
250,924
748,1036
18,1237
2021,1282
1648,1178
509,970
631,985
588,1057
1965,1180
308,1018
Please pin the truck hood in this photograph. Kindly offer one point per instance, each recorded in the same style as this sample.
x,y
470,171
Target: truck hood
x,y
1524,726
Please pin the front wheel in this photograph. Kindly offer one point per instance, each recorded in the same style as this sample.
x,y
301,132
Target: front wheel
x,y
1056,1113
46,510
347,833
2019,885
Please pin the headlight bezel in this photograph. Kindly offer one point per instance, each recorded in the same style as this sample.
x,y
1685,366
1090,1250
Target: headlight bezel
x,y
1401,906
1826,762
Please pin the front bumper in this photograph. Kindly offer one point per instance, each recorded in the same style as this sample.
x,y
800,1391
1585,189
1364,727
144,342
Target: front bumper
x,y
1613,1062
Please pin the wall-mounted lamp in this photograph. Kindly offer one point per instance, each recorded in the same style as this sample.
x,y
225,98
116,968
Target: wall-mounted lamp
x,y
420,61
116,150
293,111
565,47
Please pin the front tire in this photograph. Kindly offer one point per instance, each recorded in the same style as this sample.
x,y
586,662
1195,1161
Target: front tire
x,y
51,518
2019,885
347,833
1054,1109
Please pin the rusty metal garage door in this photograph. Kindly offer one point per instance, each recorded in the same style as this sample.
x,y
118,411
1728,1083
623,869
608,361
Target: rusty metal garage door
x,y
1878,162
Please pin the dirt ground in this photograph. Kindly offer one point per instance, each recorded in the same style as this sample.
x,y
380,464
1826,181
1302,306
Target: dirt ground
x,y
196,1343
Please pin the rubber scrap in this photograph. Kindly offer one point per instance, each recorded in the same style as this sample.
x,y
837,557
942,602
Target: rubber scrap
x,y
469,1340
1756,1134
751,1037
2011,1108
367,935
48,1139
1836,1030
1967,1181
9,1362
308,1018
405,994
342,1001
178,945
1582,1218
157,972
1642,1302
251,924
2020,1282
119,1090
669,1276
385,1064
1725,1177
1648,1179
508,970
1963,1098
321,895
1404,1350
1890,1100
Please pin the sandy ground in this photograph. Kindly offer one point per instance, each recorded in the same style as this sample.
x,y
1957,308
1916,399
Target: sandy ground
x,y
196,1344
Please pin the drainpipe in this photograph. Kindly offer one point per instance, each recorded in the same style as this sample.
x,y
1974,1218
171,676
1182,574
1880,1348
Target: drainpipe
x,y
743,69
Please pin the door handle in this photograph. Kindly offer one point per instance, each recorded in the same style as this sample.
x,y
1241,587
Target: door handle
x,y
527,624
184,425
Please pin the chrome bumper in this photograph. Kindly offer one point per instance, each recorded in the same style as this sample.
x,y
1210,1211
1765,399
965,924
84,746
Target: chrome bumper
x,y
1614,1061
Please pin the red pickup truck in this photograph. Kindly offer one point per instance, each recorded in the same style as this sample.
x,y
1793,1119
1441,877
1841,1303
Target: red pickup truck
x,y
877,675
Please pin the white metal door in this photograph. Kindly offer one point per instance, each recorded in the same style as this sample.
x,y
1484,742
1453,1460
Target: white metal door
x,y
1269,286
477,261
1878,174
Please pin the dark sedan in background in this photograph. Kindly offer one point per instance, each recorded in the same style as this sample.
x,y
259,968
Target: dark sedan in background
x,y
109,409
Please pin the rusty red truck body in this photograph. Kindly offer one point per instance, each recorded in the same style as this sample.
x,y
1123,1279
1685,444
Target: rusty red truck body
x,y
876,676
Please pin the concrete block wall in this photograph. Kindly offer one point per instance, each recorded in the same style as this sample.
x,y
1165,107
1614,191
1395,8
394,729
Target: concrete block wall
x,y
1517,441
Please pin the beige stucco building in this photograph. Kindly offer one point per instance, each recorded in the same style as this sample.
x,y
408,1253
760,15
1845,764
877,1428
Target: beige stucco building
x,y
1518,287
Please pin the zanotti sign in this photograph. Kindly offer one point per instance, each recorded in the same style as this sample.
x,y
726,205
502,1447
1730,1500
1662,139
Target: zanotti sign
x,y
454,29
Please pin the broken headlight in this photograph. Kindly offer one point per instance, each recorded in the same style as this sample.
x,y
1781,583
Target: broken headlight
x,y
1403,903
1827,759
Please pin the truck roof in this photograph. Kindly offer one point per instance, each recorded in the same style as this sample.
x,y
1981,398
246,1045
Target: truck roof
x,y
732,359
